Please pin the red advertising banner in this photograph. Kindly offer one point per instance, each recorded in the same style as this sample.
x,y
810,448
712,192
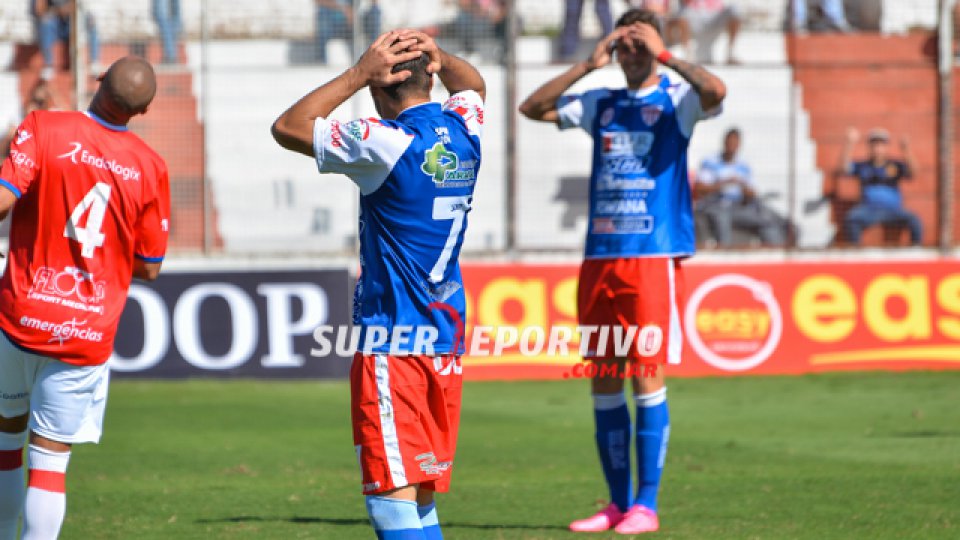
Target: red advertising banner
x,y
758,318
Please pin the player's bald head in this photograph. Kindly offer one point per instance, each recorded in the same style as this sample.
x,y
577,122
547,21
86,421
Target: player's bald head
x,y
129,85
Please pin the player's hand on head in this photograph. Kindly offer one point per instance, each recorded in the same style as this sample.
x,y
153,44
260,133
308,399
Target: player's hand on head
x,y
425,44
603,52
387,50
647,36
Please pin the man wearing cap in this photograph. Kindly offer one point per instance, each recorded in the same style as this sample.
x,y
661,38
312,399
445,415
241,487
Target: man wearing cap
x,y
880,176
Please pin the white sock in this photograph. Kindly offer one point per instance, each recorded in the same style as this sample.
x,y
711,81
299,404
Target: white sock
x,y
46,501
12,489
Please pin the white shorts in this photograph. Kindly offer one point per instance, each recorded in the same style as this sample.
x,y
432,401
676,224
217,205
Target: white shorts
x,y
66,403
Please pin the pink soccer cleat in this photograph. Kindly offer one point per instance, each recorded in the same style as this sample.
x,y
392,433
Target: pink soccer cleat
x,y
603,520
638,519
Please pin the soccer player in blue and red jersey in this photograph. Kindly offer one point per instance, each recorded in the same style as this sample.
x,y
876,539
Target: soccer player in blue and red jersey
x,y
91,208
416,168
641,226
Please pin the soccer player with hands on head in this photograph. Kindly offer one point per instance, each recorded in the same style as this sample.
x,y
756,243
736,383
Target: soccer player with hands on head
x,y
92,212
640,228
416,167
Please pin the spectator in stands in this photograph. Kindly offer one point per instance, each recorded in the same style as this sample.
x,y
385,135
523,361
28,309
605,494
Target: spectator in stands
x,y
703,21
167,15
570,35
52,22
727,198
475,20
40,97
818,16
334,20
879,176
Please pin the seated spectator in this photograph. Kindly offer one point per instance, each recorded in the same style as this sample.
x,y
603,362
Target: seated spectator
x,y
727,198
334,20
879,176
167,15
475,20
570,35
703,21
52,22
818,16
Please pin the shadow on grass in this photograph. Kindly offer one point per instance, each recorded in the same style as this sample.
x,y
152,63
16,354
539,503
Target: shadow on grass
x,y
354,521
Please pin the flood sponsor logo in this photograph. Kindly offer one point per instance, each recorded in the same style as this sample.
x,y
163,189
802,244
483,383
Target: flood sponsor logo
x,y
70,287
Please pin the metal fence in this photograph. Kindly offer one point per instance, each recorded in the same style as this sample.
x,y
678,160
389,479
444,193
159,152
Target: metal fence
x,y
227,68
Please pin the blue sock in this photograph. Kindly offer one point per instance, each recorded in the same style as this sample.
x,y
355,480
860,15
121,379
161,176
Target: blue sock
x,y
429,521
653,432
394,519
613,444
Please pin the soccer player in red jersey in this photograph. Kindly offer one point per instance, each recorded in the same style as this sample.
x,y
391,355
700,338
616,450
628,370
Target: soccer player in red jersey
x,y
92,206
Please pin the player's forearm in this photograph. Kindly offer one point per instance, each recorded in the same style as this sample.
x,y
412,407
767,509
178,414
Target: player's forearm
x,y
145,271
458,75
846,162
293,130
709,87
544,99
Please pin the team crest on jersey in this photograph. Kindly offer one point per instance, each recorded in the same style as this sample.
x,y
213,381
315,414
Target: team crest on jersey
x,y
22,136
606,116
650,114
358,130
446,169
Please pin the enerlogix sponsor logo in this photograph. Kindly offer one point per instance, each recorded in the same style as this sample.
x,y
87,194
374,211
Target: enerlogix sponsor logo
x,y
63,331
79,155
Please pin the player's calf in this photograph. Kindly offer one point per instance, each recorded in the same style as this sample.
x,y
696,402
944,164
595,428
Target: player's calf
x,y
12,438
46,502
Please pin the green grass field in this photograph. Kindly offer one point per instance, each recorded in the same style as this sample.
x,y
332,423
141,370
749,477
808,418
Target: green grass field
x,y
830,456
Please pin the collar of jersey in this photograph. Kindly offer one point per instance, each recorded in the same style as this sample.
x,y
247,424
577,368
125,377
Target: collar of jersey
x,y
643,92
104,123
427,108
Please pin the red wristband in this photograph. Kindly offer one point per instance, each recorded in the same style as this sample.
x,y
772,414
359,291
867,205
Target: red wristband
x,y
664,57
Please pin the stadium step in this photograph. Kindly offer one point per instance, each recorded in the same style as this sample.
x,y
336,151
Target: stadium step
x,y
867,81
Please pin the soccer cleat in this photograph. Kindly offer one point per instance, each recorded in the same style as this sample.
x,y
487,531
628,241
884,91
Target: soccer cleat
x,y
603,520
638,519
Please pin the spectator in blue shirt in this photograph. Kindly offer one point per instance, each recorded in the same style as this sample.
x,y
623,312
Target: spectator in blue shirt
x,y
727,197
880,177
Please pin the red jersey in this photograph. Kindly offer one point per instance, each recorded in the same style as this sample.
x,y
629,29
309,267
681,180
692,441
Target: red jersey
x,y
91,197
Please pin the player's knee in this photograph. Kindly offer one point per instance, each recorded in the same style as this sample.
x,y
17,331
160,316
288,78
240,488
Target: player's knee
x,y
17,424
48,444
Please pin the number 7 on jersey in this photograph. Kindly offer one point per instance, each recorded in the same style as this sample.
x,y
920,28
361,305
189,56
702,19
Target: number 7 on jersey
x,y
445,208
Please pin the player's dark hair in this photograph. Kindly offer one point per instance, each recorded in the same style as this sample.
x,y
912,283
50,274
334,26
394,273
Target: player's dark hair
x,y
732,131
636,15
417,85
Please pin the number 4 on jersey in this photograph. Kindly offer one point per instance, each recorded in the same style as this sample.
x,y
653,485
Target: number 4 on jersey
x,y
89,236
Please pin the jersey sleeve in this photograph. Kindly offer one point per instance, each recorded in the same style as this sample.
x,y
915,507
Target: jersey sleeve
x,y
578,110
153,228
20,168
469,105
365,150
686,102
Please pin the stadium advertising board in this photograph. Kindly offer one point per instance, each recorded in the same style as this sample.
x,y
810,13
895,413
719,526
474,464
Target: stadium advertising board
x,y
229,324
770,318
